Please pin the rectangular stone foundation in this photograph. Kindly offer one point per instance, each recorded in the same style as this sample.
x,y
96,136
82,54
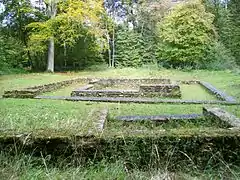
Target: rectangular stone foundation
x,y
162,90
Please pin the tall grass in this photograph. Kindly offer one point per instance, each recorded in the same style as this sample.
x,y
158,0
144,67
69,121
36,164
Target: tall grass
x,y
26,167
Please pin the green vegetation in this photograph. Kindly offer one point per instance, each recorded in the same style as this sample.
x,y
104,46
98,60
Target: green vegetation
x,y
56,139
34,113
27,167
191,34
10,82
187,33
65,91
56,118
44,115
171,126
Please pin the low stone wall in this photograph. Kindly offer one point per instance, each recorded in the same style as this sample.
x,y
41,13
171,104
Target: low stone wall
x,y
161,90
105,93
100,117
25,93
33,91
188,82
136,100
110,82
221,95
159,118
223,116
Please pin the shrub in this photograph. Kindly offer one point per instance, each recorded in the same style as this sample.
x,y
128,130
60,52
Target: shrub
x,y
186,35
11,55
218,57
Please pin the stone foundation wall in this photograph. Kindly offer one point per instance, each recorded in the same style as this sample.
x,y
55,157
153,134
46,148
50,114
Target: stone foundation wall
x,y
105,93
33,91
110,82
219,94
223,116
163,90
168,90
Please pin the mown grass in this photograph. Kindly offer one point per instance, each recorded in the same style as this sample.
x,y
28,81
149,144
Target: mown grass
x,y
28,115
195,92
65,91
9,82
25,115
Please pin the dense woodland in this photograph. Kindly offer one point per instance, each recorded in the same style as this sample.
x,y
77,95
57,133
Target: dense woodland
x,y
59,35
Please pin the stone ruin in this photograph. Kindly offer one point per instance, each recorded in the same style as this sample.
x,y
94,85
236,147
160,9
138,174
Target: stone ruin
x,y
144,88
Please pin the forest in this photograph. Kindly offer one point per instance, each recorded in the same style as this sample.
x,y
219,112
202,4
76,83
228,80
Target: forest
x,y
63,35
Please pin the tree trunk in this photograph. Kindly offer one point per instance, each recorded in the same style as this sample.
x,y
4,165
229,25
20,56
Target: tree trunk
x,y
109,50
113,48
65,56
52,11
50,67
113,41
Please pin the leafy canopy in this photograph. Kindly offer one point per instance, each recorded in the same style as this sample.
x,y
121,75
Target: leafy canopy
x,y
73,18
186,33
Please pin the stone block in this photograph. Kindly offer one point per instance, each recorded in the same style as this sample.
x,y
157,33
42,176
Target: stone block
x,y
221,95
222,115
110,82
159,118
105,93
162,90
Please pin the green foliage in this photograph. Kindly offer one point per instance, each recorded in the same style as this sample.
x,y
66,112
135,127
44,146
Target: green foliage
x,y
16,15
76,30
227,23
11,54
133,49
186,34
218,58
234,7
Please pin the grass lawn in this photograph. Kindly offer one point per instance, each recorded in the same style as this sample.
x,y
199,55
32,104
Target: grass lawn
x,y
27,115
23,115
9,82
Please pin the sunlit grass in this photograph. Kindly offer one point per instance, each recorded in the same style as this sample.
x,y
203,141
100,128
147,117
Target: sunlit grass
x,y
9,82
29,115
65,91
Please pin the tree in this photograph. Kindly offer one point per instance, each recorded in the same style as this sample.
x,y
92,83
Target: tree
x,y
186,35
16,15
227,23
67,26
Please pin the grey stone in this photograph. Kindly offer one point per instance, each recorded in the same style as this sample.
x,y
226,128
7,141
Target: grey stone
x,y
220,114
111,82
100,117
160,118
217,92
134,100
